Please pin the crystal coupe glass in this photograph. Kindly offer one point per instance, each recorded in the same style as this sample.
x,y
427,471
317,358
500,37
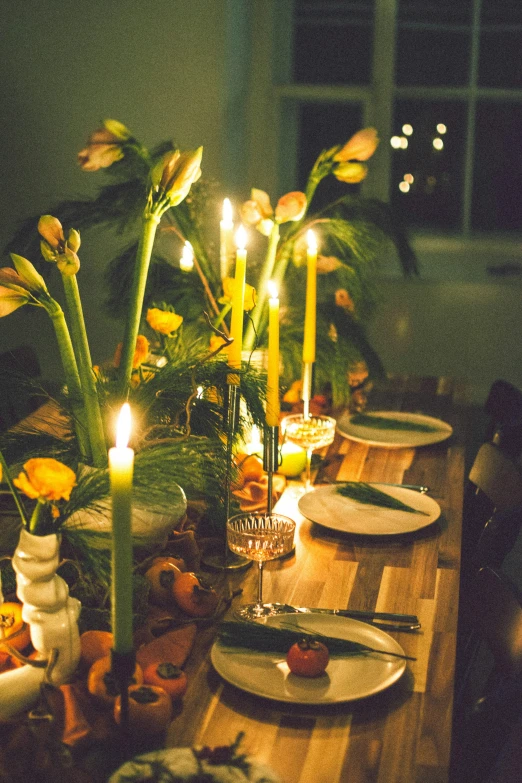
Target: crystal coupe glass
x,y
312,432
259,537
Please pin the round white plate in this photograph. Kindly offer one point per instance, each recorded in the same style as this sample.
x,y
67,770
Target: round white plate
x,y
346,678
326,506
394,439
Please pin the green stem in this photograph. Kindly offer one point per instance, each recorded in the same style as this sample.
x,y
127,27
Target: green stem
x,y
88,380
72,377
36,516
224,312
262,290
14,491
139,281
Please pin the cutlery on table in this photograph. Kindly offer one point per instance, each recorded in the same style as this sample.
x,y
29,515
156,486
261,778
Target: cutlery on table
x,y
416,487
387,621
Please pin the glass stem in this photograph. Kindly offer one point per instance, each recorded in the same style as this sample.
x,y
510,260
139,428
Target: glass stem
x,y
260,582
308,480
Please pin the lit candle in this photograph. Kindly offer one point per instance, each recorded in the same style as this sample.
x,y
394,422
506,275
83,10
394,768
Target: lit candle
x,y
186,262
226,248
254,445
121,465
272,388
238,302
311,297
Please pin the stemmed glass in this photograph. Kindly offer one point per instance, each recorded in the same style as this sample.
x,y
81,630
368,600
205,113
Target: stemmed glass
x,y
312,432
259,537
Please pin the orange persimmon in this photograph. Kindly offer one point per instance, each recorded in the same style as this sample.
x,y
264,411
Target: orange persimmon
x,y
101,683
94,645
167,676
150,709
15,631
193,596
161,577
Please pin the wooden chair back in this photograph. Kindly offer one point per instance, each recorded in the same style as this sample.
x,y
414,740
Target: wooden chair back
x,y
504,409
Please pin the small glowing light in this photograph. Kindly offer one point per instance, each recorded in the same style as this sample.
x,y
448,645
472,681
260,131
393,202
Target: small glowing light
x,y
311,241
395,141
255,437
161,362
186,262
241,238
409,178
199,392
272,289
407,129
404,143
438,144
441,128
404,186
123,427
227,212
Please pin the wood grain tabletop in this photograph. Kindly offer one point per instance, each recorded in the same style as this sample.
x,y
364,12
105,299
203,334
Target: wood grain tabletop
x,y
402,734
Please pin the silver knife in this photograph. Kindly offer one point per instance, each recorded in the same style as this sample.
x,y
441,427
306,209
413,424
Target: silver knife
x,y
362,615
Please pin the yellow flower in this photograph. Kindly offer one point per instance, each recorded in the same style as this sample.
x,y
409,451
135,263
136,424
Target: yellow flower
x,y
21,286
176,172
163,321
229,284
140,354
361,146
44,478
216,342
258,211
104,146
291,206
55,248
344,300
293,395
350,172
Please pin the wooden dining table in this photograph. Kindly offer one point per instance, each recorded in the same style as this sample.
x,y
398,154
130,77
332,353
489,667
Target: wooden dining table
x,y
403,733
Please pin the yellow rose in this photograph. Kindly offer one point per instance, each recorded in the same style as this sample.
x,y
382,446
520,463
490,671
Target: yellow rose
x,y
47,479
163,321
229,284
140,354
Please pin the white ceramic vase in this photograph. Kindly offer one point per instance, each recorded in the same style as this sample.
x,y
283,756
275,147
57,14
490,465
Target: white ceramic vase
x,y
52,616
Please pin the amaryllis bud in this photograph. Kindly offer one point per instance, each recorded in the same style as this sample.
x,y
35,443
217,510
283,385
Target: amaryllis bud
x,y
291,206
361,146
177,174
68,262
51,230
73,240
350,172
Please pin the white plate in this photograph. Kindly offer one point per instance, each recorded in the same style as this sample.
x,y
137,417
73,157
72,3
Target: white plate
x,y
326,506
346,678
394,439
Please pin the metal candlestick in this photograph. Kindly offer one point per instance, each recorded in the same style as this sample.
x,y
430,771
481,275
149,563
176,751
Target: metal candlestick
x,y
270,459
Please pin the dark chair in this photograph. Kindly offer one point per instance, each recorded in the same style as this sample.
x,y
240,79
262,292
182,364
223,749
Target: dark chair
x,y
481,725
18,369
504,410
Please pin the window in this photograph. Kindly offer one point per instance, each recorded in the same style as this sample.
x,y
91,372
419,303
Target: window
x,y
440,79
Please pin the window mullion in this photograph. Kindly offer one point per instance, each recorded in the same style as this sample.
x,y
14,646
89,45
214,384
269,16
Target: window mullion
x,y
471,118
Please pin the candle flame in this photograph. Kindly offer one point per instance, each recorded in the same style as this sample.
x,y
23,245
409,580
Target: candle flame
x,y
255,436
312,241
227,211
123,427
272,289
187,257
241,237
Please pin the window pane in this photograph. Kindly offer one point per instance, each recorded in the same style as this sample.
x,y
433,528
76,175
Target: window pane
x,y
427,164
500,64
321,126
333,42
433,43
497,185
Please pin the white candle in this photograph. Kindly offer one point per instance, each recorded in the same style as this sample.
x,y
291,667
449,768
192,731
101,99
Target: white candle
x,y
121,468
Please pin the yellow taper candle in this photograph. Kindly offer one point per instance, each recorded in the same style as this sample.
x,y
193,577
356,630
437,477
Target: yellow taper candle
x,y
121,466
226,246
311,299
238,302
272,389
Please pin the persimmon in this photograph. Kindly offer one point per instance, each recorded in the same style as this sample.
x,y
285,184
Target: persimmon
x,y
193,596
150,709
102,684
161,577
167,676
308,658
15,631
94,645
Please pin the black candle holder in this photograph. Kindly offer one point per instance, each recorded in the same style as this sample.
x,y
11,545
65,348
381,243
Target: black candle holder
x,y
270,459
122,671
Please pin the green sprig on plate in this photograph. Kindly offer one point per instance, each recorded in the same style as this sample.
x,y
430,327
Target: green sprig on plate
x,y
267,638
386,423
367,494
